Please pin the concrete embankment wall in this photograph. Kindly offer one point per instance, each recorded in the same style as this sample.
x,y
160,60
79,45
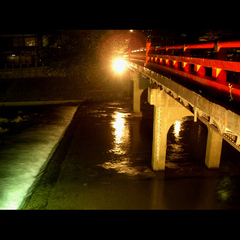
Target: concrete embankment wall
x,y
51,88
31,72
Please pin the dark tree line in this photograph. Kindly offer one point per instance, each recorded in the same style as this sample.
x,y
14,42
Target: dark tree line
x,y
87,54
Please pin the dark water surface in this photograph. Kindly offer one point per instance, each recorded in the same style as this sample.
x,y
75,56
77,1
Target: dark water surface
x,y
108,165
205,188
186,182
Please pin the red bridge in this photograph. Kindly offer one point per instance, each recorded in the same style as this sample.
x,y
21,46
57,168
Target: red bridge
x,y
212,65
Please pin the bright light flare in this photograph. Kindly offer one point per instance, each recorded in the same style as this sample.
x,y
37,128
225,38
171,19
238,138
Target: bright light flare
x,y
119,65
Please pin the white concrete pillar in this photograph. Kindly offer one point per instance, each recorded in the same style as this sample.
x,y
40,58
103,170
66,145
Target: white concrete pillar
x,y
159,143
213,149
166,112
136,95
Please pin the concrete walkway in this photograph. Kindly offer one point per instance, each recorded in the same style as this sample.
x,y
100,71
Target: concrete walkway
x,y
24,155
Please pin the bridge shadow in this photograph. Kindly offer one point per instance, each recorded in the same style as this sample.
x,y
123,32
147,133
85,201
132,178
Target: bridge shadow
x,y
186,139
186,145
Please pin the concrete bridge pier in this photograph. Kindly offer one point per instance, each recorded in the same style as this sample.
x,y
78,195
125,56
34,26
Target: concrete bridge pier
x,y
135,77
139,85
166,112
213,149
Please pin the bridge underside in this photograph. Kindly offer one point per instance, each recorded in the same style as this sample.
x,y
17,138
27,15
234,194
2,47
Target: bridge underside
x,y
166,112
170,106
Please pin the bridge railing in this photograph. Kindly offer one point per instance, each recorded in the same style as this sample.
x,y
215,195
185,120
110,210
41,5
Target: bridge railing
x,y
218,67
213,65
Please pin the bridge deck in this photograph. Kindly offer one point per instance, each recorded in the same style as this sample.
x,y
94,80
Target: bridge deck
x,y
216,111
221,100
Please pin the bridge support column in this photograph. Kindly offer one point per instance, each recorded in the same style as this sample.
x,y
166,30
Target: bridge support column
x,y
139,84
166,112
214,149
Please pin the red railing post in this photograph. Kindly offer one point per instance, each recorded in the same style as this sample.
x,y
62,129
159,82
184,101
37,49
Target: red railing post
x,y
167,62
186,66
219,74
201,71
148,44
175,64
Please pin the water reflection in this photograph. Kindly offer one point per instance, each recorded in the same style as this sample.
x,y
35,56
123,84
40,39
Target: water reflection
x,y
120,145
180,138
224,188
120,160
120,133
119,127
177,128
175,147
121,166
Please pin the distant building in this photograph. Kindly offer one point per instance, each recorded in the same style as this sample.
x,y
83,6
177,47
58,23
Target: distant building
x,y
20,50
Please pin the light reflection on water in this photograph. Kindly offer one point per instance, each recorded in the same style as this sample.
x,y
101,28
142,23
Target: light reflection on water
x,y
175,147
120,160
177,128
121,166
119,127
191,183
120,133
181,137
121,139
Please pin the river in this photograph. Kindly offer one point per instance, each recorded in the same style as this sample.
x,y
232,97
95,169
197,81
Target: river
x,y
186,183
107,165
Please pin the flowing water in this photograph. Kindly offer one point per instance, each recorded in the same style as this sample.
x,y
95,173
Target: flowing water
x,y
186,182
107,165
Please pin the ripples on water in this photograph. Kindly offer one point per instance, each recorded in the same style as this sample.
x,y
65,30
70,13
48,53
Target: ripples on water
x,y
121,141
185,160
186,156
121,152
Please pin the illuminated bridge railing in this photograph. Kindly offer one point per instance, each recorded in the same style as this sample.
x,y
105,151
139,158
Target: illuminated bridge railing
x,y
212,65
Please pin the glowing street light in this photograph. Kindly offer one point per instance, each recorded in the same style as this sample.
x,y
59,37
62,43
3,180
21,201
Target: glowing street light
x,y
119,65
